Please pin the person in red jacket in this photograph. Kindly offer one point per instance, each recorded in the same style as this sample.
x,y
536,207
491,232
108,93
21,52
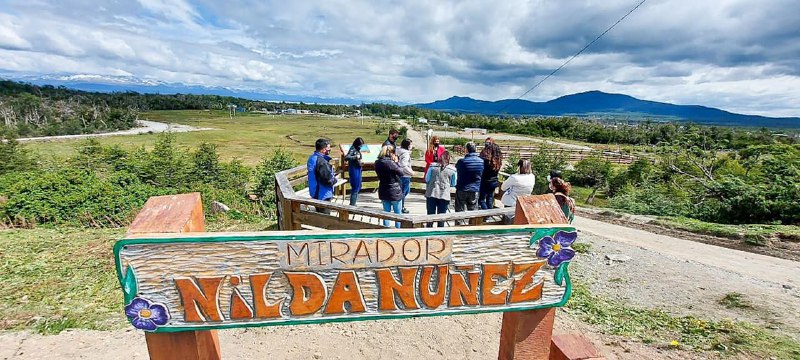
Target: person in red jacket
x,y
435,150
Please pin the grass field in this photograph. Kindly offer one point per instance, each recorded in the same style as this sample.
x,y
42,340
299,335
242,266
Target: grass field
x,y
248,136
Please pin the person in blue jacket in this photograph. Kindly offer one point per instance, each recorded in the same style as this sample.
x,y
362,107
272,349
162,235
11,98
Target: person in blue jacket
x,y
320,173
468,180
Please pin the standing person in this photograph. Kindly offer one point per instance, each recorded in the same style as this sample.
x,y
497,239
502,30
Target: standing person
x,y
492,161
393,135
468,182
434,151
389,174
354,167
404,160
561,189
438,181
320,174
518,184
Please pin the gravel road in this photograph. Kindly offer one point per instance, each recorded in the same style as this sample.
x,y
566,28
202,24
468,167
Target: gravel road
x,y
145,126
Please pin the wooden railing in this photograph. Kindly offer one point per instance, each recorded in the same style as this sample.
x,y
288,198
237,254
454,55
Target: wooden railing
x,y
572,155
295,211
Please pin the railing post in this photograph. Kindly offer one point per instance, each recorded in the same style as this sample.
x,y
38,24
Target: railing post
x,y
176,214
526,334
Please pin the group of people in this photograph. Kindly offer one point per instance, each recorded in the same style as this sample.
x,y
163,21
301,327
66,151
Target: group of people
x,y
475,177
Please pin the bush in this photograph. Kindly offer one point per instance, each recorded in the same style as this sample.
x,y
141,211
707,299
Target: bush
x,y
13,156
652,200
265,172
104,186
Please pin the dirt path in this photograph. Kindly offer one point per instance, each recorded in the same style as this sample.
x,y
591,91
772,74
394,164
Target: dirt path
x,y
417,138
679,276
145,126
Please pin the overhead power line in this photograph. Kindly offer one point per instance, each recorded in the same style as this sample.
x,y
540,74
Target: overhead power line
x,y
576,54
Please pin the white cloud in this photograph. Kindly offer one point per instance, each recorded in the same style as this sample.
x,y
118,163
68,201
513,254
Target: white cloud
x,y
734,54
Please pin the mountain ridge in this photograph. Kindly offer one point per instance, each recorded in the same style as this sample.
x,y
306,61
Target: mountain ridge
x,y
597,102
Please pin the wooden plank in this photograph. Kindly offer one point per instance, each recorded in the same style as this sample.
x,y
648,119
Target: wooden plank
x,y
572,347
330,222
353,209
272,278
296,224
173,214
170,213
463,215
540,209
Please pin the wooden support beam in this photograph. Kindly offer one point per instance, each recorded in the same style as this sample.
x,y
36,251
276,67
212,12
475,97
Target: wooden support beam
x,y
176,214
527,334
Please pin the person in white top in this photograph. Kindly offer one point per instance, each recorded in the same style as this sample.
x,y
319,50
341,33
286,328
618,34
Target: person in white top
x,y
518,184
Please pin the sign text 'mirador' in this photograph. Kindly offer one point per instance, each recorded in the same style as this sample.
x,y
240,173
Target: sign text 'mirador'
x,y
364,253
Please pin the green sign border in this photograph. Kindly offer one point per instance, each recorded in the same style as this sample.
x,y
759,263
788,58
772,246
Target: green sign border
x,y
129,286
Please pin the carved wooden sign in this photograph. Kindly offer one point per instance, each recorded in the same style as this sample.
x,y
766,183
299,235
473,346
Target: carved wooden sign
x,y
193,281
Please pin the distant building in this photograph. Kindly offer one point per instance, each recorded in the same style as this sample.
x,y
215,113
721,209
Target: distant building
x,y
475,130
422,120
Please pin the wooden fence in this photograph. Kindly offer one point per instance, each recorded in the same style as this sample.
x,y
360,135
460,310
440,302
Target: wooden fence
x,y
295,210
572,155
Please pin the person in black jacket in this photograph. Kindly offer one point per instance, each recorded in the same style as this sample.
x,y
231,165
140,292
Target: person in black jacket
x,y
468,182
354,165
492,161
389,190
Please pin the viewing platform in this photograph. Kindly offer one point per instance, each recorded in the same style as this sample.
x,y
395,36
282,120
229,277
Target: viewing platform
x,y
297,210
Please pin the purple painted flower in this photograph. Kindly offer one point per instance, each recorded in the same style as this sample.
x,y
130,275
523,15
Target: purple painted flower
x,y
557,249
146,315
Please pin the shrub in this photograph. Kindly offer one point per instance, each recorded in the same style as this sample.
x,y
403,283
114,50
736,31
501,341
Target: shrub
x,y
652,200
265,172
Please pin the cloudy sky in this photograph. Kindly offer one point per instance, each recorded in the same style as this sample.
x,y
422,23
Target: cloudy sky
x,y
738,55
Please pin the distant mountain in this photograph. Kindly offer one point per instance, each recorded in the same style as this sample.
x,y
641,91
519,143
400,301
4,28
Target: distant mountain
x,y
97,83
600,103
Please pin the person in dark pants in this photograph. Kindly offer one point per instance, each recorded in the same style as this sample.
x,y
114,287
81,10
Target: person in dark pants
x,y
389,174
492,161
439,179
320,174
468,182
354,165
392,139
404,160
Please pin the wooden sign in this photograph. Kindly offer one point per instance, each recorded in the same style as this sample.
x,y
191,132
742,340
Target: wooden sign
x,y
195,281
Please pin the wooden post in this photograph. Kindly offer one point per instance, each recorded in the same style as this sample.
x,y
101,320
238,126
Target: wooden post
x,y
528,334
176,214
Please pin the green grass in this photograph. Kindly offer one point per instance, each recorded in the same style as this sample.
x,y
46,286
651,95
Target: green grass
x,y
580,194
735,300
55,279
247,136
726,337
754,234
